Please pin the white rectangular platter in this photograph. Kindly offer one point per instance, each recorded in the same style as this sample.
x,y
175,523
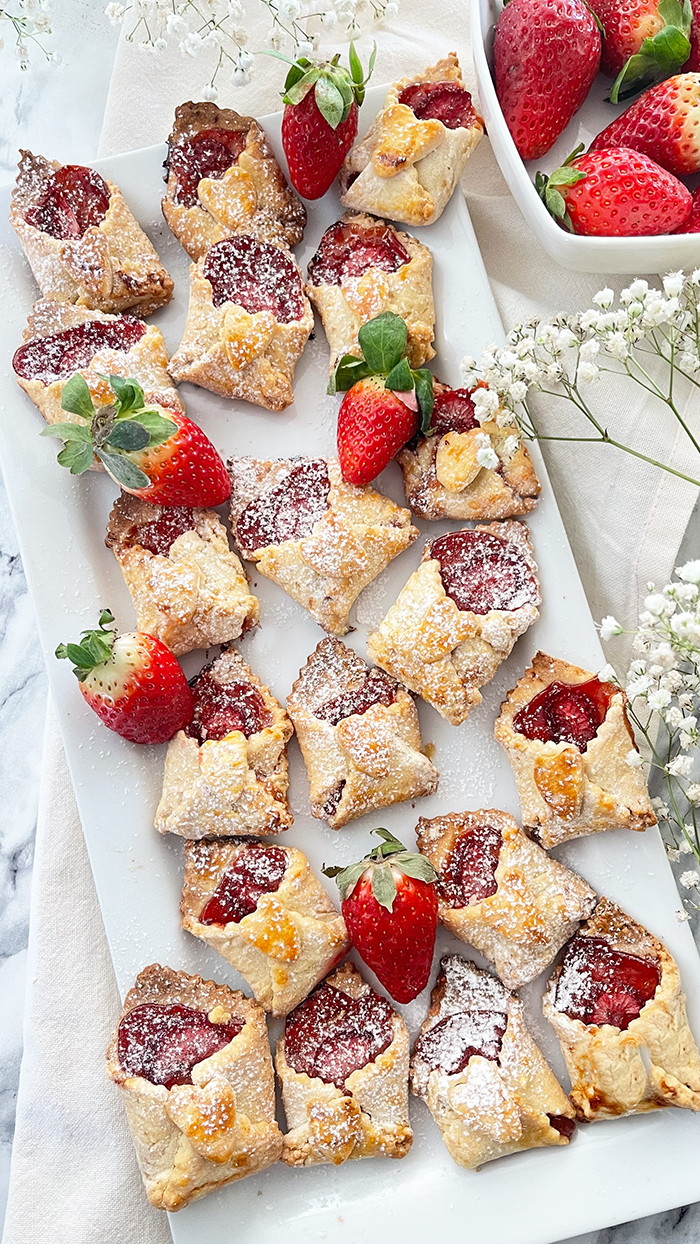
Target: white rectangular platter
x,y
612,1172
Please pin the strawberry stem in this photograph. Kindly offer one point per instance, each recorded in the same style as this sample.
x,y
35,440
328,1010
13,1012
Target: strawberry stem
x,y
94,649
381,860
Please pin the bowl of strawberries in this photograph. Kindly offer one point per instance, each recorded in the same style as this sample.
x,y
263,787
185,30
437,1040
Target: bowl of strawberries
x,y
593,111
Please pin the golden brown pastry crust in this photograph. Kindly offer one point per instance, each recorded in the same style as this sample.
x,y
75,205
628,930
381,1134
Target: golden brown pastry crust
x,y
369,1119
408,292
654,1061
563,792
287,945
536,907
405,168
228,351
493,1107
369,760
234,785
194,596
112,267
192,1139
354,541
252,197
443,653
443,479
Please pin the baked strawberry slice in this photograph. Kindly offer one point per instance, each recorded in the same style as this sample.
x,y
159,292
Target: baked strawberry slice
x,y
390,906
319,124
614,193
133,682
154,453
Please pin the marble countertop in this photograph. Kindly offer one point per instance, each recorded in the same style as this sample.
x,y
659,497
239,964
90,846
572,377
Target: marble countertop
x,y
58,110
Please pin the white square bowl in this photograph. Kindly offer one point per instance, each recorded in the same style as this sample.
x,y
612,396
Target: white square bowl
x,y
634,256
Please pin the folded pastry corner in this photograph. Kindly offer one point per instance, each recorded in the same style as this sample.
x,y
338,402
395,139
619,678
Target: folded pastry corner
x,y
82,242
459,615
501,892
413,155
363,267
223,180
359,734
569,744
483,1078
617,1006
320,539
189,589
262,908
227,773
343,1067
192,1061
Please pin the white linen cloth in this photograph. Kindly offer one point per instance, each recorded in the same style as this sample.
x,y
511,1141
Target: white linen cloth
x,y
625,521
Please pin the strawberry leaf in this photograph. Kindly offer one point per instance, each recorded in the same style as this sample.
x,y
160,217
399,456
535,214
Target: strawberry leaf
x,y
158,427
122,470
94,648
400,378
659,56
425,393
389,844
350,369
383,342
347,878
128,393
76,456
302,86
129,435
76,397
384,885
68,432
414,865
330,102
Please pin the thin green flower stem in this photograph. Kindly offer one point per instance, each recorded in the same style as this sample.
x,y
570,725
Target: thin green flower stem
x,y
604,439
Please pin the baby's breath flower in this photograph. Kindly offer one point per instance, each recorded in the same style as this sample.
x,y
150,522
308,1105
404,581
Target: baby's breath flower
x,y
684,847
588,373
690,572
682,916
607,674
692,793
680,766
673,284
604,298
690,879
658,700
487,457
633,759
609,627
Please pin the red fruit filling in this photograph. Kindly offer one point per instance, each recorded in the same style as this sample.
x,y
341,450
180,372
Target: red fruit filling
x,y
453,412
600,985
454,1040
441,101
348,250
376,689
256,871
562,1124
220,708
60,356
256,276
72,200
160,535
480,571
207,154
163,1043
470,873
288,512
331,1035
566,712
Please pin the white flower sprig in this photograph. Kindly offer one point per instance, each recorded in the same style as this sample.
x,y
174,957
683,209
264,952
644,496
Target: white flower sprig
x,y
663,688
30,24
200,25
565,358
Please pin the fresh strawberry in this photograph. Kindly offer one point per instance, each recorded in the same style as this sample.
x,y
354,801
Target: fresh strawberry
x,y
546,54
644,41
132,682
614,193
319,124
385,401
692,224
664,124
157,454
390,906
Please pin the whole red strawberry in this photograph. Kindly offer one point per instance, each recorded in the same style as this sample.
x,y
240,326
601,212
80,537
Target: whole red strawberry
x,y
132,682
390,906
644,41
157,454
664,124
692,224
385,401
319,124
614,193
546,54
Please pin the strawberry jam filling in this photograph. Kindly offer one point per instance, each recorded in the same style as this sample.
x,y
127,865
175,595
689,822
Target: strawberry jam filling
x,y
566,712
562,1124
453,411
600,985
256,276
469,875
163,1042
258,870
347,250
376,689
160,535
449,1045
207,154
72,200
220,707
480,571
61,355
331,1035
288,512
440,101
